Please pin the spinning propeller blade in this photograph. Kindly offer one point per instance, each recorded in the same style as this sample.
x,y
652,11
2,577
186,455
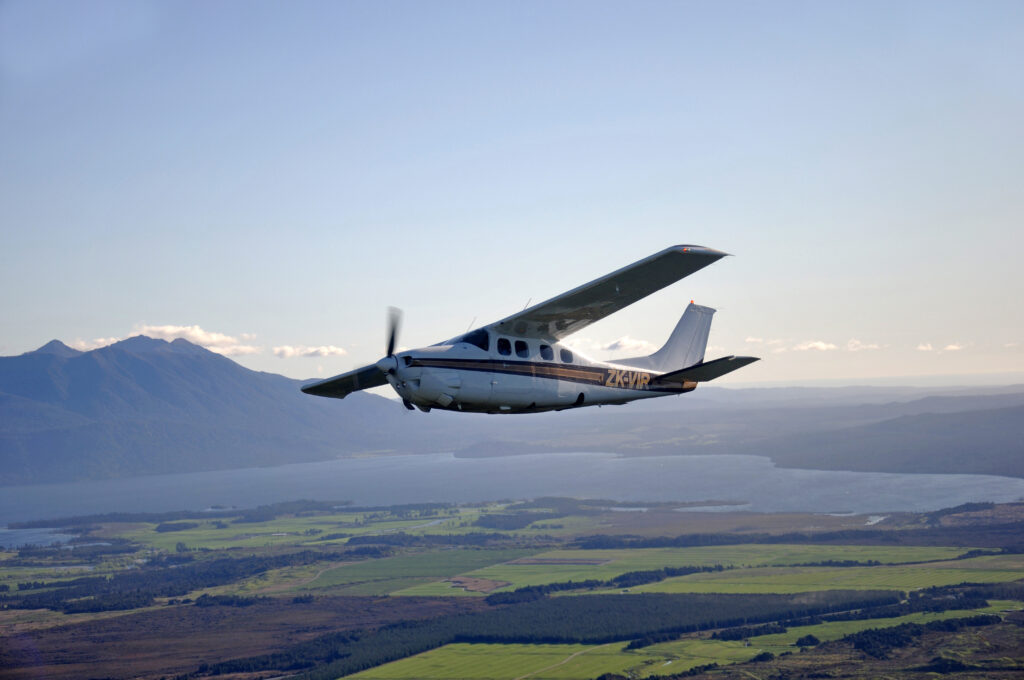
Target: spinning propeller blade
x,y
394,321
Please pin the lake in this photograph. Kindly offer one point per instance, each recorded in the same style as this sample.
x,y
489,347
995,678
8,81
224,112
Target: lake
x,y
752,481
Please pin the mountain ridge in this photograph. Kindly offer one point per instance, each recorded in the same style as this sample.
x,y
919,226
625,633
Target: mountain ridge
x,y
148,406
145,405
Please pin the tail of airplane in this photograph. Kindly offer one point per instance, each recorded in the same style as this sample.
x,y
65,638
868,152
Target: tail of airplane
x,y
681,360
684,348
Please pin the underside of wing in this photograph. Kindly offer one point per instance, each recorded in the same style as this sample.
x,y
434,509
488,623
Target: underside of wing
x,y
705,371
569,312
342,385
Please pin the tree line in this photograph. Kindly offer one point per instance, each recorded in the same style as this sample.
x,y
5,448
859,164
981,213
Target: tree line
x,y
630,579
1008,536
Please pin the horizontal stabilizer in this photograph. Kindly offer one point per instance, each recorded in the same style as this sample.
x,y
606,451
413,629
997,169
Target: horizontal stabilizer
x,y
703,372
340,386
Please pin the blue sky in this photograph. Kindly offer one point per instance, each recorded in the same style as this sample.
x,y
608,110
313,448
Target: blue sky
x,y
261,176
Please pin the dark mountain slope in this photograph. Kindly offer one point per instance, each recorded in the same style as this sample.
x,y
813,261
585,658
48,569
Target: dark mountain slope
x,y
975,442
144,406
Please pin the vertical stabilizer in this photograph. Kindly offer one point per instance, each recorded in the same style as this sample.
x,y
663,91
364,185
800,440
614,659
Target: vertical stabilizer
x,y
684,348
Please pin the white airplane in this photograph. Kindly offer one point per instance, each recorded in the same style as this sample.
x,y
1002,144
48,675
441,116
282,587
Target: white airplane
x,y
519,364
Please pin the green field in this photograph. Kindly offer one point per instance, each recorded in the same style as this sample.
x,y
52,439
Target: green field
x,y
615,562
584,662
378,577
280,531
293,530
988,569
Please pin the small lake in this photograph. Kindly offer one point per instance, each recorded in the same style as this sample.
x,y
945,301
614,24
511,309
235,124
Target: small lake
x,y
751,481
15,538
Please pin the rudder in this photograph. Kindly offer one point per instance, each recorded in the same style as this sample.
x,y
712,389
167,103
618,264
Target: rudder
x,y
685,347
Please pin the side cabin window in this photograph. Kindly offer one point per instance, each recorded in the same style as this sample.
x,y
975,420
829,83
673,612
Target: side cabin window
x,y
546,354
504,347
566,356
480,338
522,349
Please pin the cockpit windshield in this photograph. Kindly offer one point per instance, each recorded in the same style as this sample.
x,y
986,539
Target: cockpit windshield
x,y
480,338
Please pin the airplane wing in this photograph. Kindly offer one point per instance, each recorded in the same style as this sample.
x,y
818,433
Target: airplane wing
x,y
342,385
703,372
569,312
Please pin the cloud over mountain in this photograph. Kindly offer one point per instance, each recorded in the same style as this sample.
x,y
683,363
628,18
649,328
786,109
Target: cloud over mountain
x,y
220,343
289,351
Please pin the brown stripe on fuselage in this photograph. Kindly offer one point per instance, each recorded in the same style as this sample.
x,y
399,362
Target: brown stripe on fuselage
x,y
639,381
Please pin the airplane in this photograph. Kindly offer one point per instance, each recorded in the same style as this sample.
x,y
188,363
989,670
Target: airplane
x,y
521,365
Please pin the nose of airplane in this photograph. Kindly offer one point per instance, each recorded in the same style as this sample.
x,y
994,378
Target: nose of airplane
x,y
388,365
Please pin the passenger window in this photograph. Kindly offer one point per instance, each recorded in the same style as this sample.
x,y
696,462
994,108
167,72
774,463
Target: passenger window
x,y
504,347
566,356
546,354
522,350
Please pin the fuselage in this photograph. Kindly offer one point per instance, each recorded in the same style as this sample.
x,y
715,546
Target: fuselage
x,y
490,373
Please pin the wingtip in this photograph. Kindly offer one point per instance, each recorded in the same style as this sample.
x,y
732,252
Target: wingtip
x,y
700,250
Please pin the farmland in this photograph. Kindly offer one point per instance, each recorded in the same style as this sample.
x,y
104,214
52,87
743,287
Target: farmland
x,y
502,590
574,565
802,579
568,662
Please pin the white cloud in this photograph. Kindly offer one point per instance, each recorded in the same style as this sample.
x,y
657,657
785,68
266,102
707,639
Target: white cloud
x,y
629,344
754,341
818,345
855,345
95,343
581,344
215,342
953,347
925,347
290,352
1011,345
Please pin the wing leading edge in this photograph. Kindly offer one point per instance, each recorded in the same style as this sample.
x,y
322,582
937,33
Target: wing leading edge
x,y
569,312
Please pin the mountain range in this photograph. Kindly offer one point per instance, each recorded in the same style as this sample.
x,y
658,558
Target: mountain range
x,y
147,406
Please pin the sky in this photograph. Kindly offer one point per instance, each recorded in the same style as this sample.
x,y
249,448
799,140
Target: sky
x,y
266,178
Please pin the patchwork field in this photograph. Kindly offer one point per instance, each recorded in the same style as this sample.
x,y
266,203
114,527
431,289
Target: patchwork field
x,y
585,662
579,565
400,573
212,596
801,579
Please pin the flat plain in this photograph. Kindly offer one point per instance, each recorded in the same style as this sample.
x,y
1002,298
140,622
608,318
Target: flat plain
x,y
275,592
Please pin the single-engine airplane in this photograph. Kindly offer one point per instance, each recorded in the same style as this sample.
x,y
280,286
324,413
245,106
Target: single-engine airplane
x,y
519,364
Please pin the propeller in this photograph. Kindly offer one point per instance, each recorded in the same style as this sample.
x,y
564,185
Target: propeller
x,y
388,365
394,321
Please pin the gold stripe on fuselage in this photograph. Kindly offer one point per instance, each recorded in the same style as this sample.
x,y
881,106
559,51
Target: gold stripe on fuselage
x,y
625,379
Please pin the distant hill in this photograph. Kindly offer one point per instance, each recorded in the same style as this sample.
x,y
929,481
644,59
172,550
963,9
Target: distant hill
x,y
145,406
988,442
